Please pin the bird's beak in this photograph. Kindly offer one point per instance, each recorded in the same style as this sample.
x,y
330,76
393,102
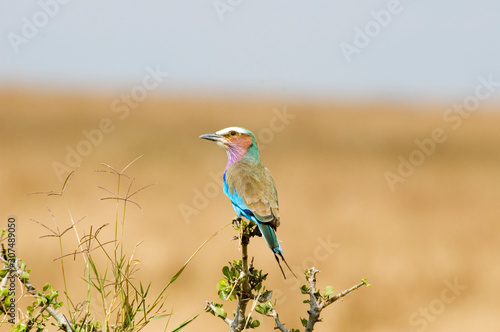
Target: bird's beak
x,y
212,137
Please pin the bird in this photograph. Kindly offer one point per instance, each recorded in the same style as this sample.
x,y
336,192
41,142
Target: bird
x,y
249,185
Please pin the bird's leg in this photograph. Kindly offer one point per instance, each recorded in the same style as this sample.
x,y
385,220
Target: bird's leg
x,y
236,222
237,226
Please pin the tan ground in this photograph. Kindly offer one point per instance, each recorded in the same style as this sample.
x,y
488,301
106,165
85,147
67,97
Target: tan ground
x,y
438,227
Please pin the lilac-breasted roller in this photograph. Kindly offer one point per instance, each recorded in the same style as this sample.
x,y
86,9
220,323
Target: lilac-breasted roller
x,y
249,185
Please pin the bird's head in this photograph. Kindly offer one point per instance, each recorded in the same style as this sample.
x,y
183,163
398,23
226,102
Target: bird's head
x,y
238,143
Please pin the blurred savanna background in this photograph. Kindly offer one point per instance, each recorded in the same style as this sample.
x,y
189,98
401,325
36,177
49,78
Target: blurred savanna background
x,y
386,160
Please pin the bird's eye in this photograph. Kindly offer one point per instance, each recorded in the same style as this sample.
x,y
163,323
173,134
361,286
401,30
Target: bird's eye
x,y
232,133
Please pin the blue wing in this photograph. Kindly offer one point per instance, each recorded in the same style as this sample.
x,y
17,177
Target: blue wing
x,y
243,211
238,204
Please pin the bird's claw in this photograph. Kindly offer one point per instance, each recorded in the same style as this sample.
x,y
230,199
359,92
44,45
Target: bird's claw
x,y
236,222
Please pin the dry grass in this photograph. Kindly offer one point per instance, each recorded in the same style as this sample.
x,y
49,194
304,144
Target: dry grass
x,y
328,163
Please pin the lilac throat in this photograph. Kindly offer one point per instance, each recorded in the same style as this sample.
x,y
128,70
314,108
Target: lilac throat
x,y
234,154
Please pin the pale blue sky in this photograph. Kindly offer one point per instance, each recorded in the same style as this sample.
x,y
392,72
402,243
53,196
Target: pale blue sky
x,y
428,49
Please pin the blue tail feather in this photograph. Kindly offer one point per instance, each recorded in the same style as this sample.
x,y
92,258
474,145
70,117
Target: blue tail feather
x,y
270,236
272,241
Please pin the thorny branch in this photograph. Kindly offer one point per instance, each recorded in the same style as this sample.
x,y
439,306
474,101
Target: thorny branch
x,y
317,302
210,306
239,321
279,325
60,318
244,295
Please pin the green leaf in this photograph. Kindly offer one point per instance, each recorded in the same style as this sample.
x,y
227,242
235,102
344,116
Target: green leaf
x,y
223,295
328,291
222,285
304,289
174,278
267,295
159,317
226,272
261,309
220,312
255,323
264,308
367,284
223,289
6,302
24,276
184,324
303,321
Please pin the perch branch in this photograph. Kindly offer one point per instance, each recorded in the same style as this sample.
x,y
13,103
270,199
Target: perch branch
x,y
239,321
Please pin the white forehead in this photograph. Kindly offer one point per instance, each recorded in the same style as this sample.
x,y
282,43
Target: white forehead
x,y
229,129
